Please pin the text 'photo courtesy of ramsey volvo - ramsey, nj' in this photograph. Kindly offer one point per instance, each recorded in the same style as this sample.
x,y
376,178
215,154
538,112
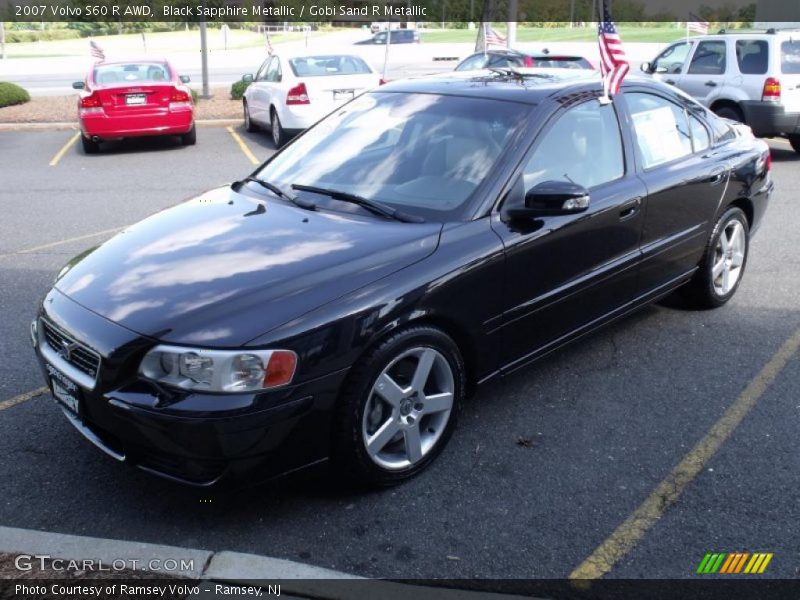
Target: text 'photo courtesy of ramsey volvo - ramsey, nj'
x,y
339,303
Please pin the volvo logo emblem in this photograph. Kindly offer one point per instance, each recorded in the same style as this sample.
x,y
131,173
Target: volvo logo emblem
x,y
66,349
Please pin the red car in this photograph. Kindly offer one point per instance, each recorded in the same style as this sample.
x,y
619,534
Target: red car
x,y
134,98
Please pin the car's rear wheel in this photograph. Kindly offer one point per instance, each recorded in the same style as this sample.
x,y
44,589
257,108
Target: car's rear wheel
x,y
248,122
399,406
190,138
730,112
278,133
721,269
794,140
90,146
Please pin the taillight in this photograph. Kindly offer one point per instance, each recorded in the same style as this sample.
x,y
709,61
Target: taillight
x,y
382,81
91,101
298,95
768,161
772,90
179,96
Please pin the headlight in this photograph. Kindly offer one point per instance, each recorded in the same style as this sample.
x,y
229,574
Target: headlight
x,y
219,370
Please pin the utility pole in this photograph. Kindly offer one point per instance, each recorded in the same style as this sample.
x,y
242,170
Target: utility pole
x,y
511,24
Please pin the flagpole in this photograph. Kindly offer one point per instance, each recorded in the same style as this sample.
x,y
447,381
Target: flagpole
x,y
386,51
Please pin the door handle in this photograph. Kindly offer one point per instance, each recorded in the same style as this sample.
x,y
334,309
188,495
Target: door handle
x,y
711,84
717,176
629,209
670,81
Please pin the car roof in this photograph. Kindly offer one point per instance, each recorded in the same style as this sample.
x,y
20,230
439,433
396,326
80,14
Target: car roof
x,y
529,85
133,59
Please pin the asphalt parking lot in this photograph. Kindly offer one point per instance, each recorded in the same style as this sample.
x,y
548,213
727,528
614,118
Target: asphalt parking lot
x,y
543,467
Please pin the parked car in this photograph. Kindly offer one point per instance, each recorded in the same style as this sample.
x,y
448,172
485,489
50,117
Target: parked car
x,y
749,77
503,59
428,236
134,98
290,93
398,36
377,26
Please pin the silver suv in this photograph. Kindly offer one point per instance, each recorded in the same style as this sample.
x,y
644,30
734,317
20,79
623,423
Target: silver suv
x,y
753,78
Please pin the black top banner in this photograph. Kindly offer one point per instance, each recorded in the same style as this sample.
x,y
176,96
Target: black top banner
x,y
365,11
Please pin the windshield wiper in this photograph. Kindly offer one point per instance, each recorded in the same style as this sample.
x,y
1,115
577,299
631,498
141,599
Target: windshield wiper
x,y
372,205
280,193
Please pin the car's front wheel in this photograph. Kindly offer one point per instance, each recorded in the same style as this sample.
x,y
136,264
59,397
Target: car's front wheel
x,y
248,122
720,271
399,407
794,140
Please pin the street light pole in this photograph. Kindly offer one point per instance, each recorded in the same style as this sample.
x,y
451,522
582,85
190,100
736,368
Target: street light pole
x,y
204,59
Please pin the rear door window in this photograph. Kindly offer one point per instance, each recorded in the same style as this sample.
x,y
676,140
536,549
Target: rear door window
x,y
752,56
661,129
790,57
708,59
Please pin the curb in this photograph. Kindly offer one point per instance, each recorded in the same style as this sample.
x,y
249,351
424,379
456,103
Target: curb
x,y
72,125
234,568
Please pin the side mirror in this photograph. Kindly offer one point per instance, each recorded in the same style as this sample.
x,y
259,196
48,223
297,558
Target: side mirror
x,y
248,78
185,79
78,85
645,66
552,198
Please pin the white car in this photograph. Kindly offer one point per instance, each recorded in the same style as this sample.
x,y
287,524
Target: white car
x,y
290,93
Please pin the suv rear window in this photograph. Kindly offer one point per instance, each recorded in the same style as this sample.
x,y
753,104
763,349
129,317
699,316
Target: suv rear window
x,y
752,56
790,57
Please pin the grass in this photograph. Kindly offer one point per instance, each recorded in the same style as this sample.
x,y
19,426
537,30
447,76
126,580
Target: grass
x,y
628,33
157,43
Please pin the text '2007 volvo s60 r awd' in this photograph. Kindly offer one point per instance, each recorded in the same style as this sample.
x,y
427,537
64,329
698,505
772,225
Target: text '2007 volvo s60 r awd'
x,y
428,236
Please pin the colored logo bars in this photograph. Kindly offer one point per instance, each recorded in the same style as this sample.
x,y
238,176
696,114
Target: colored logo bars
x,y
734,562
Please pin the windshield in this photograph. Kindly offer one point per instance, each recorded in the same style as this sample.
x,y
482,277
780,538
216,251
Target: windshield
x,y
320,66
423,153
131,72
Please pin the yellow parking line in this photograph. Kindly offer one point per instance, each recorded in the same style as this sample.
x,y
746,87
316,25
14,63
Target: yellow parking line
x,y
243,146
23,398
60,154
780,140
60,242
627,535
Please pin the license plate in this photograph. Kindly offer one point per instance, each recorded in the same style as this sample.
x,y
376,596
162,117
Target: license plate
x,y
135,99
64,390
340,95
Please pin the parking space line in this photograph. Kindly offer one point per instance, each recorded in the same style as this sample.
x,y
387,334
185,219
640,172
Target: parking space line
x,y
60,242
60,154
243,146
634,528
23,397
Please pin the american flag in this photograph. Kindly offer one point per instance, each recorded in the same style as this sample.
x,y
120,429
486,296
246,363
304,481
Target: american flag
x,y
491,37
96,51
697,25
613,62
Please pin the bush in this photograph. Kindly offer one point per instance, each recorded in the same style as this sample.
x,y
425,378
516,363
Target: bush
x,y
12,94
46,35
237,89
195,95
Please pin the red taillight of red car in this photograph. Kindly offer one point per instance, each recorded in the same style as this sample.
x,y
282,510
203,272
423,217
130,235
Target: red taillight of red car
x,y
298,95
382,81
90,105
179,99
772,90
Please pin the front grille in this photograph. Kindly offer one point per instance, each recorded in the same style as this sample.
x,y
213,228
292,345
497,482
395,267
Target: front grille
x,y
78,355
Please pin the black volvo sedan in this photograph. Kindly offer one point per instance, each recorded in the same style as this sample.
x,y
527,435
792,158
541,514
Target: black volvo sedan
x,y
340,302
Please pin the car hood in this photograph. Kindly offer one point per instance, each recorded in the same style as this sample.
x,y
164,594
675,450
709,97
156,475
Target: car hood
x,y
224,268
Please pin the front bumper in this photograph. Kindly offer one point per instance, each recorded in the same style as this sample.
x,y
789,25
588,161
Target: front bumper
x,y
768,119
161,122
194,438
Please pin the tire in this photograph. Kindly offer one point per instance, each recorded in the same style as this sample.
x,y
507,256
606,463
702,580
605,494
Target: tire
x,y
89,146
278,132
794,140
190,138
730,112
709,287
248,122
413,433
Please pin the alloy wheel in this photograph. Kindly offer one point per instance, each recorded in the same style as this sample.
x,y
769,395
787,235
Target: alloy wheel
x,y
728,257
408,408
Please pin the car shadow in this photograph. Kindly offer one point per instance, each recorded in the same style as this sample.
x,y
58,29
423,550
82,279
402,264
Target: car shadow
x,y
260,138
784,154
164,143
